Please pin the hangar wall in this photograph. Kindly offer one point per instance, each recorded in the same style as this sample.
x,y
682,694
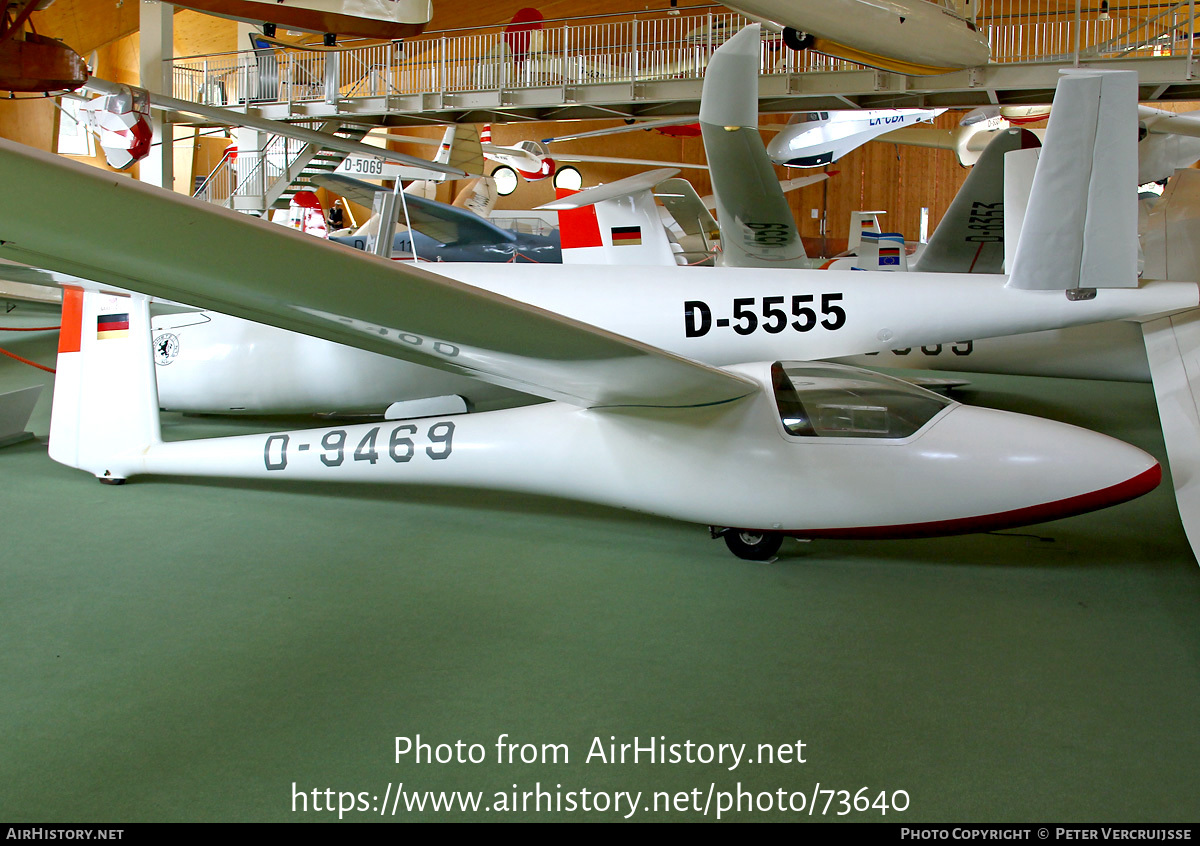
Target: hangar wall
x,y
901,180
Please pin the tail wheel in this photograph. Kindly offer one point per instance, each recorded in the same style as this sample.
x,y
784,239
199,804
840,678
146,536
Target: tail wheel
x,y
797,40
753,545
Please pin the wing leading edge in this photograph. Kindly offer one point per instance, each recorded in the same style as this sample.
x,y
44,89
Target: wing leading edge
x,y
121,232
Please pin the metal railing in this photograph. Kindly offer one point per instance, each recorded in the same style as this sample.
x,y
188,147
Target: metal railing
x,y
1081,30
642,49
251,175
645,47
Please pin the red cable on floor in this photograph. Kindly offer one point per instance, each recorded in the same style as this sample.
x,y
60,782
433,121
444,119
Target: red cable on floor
x,y
27,361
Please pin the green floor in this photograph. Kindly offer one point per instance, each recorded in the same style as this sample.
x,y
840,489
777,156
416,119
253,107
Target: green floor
x,y
176,650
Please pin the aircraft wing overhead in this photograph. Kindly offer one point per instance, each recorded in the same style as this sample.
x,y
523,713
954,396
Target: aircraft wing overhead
x,y
120,232
1161,122
444,223
611,190
25,275
921,136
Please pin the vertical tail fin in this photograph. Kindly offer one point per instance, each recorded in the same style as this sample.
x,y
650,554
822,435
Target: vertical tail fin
x,y
616,224
447,147
883,251
757,226
862,222
467,154
479,196
1019,167
971,235
1080,230
105,411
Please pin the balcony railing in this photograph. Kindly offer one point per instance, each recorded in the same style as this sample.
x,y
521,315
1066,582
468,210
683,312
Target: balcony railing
x,y
242,181
642,48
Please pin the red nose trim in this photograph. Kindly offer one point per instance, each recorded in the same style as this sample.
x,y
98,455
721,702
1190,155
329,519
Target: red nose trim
x,y
1069,507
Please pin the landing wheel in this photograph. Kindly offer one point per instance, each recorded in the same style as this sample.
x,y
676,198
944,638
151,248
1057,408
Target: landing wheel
x,y
753,545
797,40
110,480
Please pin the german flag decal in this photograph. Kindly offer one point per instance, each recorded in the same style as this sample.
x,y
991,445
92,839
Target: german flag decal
x,y
626,236
112,326
889,255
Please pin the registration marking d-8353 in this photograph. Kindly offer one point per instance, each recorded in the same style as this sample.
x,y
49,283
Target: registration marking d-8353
x,y
799,312
401,444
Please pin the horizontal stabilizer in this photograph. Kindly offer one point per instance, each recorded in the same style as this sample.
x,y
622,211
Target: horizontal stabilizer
x,y
688,210
612,190
1080,230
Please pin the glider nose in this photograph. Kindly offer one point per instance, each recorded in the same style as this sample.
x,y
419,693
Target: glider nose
x,y
1045,470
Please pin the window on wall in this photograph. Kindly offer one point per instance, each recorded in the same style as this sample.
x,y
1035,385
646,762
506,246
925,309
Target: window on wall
x,y
74,137
506,180
568,178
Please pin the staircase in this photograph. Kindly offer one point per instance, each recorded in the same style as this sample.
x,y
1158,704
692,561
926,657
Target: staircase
x,y
284,167
317,161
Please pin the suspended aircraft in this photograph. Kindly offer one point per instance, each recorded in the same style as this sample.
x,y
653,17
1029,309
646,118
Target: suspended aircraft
x,y
387,19
528,158
228,117
908,36
629,424
35,63
121,123
1167,141
808,139
815,139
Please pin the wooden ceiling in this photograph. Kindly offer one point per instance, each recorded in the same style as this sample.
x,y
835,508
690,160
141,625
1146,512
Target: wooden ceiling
x,y
86,25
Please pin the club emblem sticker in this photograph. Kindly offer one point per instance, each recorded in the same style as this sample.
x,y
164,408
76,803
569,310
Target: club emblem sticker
x,y
166,347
